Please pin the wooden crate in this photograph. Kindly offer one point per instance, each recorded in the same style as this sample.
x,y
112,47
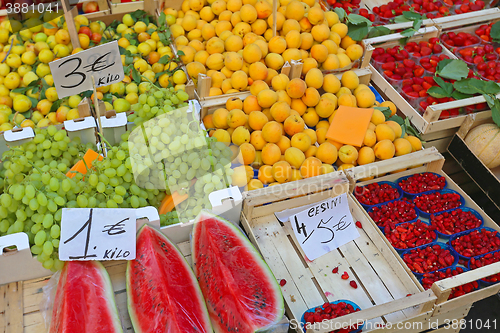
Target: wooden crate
x,y
444,308
118,7
435,132
103,9
487,179
383,281
20,301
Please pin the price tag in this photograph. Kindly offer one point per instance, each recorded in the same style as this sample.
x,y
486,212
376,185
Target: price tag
x,y
97,234
324,227
73,74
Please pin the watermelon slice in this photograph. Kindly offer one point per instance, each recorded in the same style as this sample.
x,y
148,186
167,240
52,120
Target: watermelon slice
x,y
85,302
162,292
241,292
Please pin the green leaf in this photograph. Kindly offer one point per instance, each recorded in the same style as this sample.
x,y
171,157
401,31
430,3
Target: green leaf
x,y
447,87
417,24
412,16
495,32
87,93
458,95
157,75
164,60
180,53
47,25
401,19
162,19
490,100
136,76
486,87
437,92
411,130
397,119
453,69
150,31
408,32
442,63
357,32
358,19
495,112
55,105
376,31
385,110
129,60
341,13
20,90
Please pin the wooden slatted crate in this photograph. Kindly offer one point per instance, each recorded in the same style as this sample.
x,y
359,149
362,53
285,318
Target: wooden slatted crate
x,y
383,281
444,310
118,7
435,132
20,301
487,179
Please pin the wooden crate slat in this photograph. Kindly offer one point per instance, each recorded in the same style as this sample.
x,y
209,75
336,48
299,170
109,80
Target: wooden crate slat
x,y
13,303
331,284
284,261
3,303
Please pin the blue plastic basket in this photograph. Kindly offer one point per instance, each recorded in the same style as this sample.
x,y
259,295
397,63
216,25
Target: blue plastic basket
x,y
443,246
354,305
382,228
427,215
391,184
412,195
483,282
465,233
412,248
465,209
444,269
378,97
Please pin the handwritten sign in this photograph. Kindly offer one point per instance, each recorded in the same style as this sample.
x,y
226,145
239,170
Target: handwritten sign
x,y
97,234
73,74
324,227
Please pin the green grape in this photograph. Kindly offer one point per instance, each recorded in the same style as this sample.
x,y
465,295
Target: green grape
x,y
40,238
111,204
110,172
58,265
134,202
36,228
55,243
42,199
55,231
48,248
51,130
49,263
100,187
4,226
19,193
33,204
120,190
60,201
6,200
92,202
21,215
52,206
46,144
36,250
59,136
104,179
54,184
58,215
48,220
93,180
82,201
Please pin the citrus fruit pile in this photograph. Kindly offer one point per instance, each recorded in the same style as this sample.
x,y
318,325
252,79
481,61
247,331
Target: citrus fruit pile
x,y
232,42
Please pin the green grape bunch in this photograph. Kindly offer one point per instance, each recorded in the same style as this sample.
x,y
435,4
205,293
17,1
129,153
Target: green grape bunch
x,y
172,152
34,187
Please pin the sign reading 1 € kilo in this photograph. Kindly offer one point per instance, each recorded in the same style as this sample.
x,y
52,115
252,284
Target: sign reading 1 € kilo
x,y
73,74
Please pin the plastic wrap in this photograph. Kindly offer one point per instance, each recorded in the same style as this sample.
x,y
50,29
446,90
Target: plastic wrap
x,y
162,292
80,299
240,290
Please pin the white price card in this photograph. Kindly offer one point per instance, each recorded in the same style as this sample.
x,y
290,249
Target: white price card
x,y
73,74
324,227
97,234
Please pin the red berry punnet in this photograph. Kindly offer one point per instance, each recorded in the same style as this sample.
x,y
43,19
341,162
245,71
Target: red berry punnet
x,y
455,221
486,260
393,213
476,242
422,182
428,259
476,55
430,63
489,70
465,6
451,39
376,193
437,202
398,70
424,48
381,55
484,32
416,87
429,278
409,235
330,311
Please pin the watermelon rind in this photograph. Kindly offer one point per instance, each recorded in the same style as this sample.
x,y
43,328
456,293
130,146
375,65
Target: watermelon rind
x,y
108,293
202,318
267,277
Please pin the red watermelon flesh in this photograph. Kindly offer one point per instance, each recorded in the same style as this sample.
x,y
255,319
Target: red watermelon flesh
x,y
84,301
241,293
162,291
